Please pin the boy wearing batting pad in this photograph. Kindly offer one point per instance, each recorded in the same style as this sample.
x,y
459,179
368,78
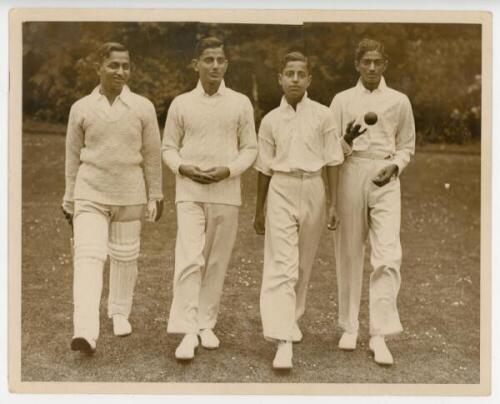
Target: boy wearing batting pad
x,y
113,178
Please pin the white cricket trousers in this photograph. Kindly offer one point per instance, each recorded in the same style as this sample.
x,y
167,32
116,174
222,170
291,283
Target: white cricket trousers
x,y
294,223
101,229
206,233
368,210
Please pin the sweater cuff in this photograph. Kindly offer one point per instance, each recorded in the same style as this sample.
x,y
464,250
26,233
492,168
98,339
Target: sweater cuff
x,y
70,189
234,170
155,197
172,160
174,166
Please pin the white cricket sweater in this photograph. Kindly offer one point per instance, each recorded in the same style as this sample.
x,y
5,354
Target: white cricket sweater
x,y
209,131
113,160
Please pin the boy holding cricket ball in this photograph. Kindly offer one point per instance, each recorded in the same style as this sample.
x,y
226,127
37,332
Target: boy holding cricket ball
x,y
369,199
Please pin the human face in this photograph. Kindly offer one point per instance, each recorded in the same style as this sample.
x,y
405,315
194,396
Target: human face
x,y
371,67
211,66
294,80
114,72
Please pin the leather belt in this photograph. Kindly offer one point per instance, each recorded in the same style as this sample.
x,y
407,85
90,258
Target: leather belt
x,y
298,174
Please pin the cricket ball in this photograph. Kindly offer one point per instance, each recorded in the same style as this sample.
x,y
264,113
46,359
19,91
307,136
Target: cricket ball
x,y
371,118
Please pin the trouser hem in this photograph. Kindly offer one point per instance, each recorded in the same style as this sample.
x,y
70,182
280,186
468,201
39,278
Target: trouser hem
x,y
350,330
181,330
206,326
277,337
386,332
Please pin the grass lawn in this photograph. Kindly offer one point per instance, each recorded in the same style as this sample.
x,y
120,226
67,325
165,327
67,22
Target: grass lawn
x,y
438,301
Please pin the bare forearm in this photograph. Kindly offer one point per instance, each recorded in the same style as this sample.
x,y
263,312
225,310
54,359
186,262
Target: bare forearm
x,y
262,188
332,175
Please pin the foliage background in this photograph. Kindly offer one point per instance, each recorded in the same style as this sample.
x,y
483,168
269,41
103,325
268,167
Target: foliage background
x,y
439,302
437,65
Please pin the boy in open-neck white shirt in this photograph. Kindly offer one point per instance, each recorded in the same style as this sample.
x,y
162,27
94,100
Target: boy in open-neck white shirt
x,y
296,140
369,198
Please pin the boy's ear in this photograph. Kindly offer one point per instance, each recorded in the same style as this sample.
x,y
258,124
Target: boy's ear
x,y
386,63
194,63
97,68
280,78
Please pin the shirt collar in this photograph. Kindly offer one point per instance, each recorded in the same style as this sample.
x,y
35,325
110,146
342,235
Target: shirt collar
x,y
285,105
381,86
124,96
220,91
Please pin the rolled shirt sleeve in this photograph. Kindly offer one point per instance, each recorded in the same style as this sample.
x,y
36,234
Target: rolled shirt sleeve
x,y
151,151
405,136
266,148
247,141
336,109
332,143
74,144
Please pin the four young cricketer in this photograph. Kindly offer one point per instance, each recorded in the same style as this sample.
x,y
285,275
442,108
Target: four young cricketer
x,y
113,175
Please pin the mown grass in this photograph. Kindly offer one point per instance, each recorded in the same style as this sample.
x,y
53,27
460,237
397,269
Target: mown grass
x,y
438,301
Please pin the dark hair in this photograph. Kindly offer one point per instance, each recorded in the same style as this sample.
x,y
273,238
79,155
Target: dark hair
x,y
105,50
368,45
209,42
294,56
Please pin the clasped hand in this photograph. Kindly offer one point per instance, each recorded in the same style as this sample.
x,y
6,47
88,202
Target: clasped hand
x,y
209,176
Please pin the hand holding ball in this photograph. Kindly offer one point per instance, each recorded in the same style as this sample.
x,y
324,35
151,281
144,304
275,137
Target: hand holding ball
x,y
371,118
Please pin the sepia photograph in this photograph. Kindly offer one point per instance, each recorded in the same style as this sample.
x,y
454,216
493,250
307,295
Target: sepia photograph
x,y
252,202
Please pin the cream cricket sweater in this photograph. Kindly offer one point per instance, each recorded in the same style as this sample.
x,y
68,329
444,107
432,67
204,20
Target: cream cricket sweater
x,y
209,131
113,159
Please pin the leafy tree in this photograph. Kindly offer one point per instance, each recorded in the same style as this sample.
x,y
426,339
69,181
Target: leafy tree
x,y
437,65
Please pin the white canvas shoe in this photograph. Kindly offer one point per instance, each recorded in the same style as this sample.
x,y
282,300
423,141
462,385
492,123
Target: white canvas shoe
x,y
186,349
284,354
208,339
348,341
381,353
121,326
296,334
